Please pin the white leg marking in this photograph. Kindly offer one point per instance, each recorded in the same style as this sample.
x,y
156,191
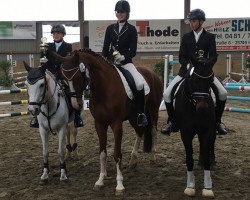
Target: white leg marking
x,y
103,173
134,154
119,179
190,189
207,191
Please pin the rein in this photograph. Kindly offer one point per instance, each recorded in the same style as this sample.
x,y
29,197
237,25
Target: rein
x,y
198,95
69,70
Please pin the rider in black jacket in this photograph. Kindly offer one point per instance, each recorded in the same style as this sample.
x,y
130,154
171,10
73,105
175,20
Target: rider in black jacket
x,y
191,43
63,49
122,38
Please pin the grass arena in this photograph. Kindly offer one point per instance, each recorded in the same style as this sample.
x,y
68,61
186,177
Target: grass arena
x,y
21,161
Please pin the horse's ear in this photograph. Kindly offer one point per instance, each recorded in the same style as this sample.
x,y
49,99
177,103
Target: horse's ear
x,y
193,60
27,67
57,56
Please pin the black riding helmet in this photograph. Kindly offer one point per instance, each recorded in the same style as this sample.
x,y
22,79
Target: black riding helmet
x,y
196,14
123,6
58,28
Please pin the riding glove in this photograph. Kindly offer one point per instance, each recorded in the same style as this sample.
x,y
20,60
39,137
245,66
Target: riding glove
x,y
119,58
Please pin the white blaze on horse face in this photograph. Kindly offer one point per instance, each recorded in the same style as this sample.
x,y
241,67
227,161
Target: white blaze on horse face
x,y
36,92
73,99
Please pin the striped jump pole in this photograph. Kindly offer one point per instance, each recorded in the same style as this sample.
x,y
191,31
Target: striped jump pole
x,y
14,114
240,88
238,98
236,84
241,110
13,91
14,102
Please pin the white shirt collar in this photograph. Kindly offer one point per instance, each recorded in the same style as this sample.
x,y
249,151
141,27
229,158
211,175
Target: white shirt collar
x,y
197,35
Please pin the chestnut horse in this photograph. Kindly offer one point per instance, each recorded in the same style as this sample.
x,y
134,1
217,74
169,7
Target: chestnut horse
x,y
110,105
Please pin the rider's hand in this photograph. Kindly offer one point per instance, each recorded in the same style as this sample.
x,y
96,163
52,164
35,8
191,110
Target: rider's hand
x,y
119,58
203,61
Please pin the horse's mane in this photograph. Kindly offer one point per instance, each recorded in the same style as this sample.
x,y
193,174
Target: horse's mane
x,y
99,56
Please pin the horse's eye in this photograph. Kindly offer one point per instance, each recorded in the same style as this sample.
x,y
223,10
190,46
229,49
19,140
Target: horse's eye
x,y
42,85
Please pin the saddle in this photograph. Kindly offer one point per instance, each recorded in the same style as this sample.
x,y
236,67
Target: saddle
x,y
129,82
129,78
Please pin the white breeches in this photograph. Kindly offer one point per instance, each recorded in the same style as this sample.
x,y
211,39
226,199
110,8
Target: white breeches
x,y
139,80
222,92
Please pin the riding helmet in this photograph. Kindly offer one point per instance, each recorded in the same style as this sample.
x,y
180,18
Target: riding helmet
x,y
122,6
58,28
196,14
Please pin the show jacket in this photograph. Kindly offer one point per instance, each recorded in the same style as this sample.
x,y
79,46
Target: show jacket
x,y
53,65
189,47
125,41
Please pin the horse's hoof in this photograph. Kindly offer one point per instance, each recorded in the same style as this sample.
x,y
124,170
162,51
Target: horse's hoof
x,y
43,181
98,187
64,179
119,192
189,192
208,193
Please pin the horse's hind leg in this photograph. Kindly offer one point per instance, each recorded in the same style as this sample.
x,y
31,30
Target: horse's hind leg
x,y
71,141
44,137
62,141
134,154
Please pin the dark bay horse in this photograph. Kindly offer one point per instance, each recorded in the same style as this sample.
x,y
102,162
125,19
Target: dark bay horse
x,y
195,114
110,105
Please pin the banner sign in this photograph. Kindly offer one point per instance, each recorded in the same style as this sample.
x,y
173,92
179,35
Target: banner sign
x,y
17,30
153,35
231,34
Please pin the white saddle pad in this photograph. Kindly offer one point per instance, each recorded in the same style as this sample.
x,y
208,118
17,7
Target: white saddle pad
x,y
128,89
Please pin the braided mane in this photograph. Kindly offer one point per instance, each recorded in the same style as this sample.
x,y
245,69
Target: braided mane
x,y
89,51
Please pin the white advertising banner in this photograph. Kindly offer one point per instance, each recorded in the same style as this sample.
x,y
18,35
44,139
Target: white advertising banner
x,y
231,34
17,30
153,35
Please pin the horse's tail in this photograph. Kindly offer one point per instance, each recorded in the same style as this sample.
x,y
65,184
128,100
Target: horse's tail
x,y
148,137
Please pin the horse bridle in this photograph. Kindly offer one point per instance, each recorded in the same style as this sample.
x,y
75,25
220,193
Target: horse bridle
x,y
200,95
43,96
75,70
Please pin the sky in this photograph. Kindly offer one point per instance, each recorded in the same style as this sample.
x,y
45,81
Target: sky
x,y
66,10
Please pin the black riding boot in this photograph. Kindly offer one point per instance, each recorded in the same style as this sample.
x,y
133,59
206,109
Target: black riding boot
x,y
78,119
172,127
140,105
219,109
34,122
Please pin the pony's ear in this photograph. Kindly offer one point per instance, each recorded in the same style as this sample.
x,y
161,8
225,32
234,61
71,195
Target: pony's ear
x,y
27,67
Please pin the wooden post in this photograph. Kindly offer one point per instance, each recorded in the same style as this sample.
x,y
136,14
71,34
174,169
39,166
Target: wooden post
x,y
81,21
